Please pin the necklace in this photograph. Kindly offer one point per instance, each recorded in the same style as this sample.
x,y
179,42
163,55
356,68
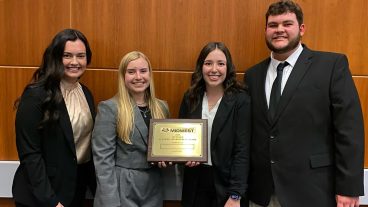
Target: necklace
x,y
210,106
141,104
144,111
213,103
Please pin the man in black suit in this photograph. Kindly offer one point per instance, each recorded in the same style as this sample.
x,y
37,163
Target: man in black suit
x,y
307,146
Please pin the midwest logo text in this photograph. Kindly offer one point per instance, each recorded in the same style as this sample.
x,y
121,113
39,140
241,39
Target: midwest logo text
x,y
181,130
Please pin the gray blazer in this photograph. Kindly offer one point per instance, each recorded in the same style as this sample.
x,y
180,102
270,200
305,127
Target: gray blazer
x,y
110,151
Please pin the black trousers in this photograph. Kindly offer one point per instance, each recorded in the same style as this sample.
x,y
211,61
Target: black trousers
x,y
205,193
20,205
86,179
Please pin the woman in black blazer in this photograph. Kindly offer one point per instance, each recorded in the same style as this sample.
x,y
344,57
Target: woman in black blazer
x,y
54,121
216,95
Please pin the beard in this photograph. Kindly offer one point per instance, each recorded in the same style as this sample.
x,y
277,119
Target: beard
x,y
293,43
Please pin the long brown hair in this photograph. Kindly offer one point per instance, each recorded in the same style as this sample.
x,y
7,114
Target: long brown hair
x,y
51,71
198,85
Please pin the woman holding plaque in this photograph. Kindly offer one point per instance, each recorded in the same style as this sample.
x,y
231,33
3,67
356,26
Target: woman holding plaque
x,y
120,138
215,95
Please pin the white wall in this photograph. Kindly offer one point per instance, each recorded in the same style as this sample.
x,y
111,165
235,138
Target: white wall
x,y
172,180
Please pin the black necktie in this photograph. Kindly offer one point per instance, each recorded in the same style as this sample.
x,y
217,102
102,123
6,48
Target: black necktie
x,y
276,90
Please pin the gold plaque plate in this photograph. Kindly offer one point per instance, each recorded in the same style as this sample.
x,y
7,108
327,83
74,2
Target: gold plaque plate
x,y
177,140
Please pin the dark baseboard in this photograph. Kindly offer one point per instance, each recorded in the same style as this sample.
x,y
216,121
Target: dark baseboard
x,y
8,202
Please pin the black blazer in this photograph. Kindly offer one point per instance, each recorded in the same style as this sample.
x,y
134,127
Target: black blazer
x,y
48,164
314,148
229,147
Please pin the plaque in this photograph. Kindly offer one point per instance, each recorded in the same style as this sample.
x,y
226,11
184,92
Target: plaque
x,y
177,140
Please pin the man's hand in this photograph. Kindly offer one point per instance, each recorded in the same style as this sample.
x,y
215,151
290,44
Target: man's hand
x,y
163,164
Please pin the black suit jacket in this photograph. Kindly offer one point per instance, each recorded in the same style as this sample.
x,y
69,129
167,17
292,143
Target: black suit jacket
x,y
48,164
314,148
229,148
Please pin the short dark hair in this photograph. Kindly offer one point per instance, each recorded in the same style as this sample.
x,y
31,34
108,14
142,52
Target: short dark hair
x,y
285,6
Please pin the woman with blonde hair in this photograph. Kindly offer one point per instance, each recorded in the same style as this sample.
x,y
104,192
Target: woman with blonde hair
x,y
120,137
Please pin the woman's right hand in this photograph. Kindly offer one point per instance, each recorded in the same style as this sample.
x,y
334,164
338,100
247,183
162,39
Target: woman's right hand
x,y
191,164
163,164
59,205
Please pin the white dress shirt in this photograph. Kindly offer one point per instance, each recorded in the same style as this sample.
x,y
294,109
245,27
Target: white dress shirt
x,y
272,72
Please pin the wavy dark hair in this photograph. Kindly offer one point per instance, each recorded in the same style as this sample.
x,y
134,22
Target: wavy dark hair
x,y
284,6
198,85
51,71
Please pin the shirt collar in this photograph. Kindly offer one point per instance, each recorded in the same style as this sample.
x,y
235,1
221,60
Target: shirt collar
x,y
291,59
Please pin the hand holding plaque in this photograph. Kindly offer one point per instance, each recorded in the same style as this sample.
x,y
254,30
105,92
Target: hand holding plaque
x,y
177,140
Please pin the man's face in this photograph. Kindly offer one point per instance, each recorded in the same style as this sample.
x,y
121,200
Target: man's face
x,y
283,33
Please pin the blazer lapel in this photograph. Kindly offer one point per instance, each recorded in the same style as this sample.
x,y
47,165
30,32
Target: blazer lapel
x,y
65,123
90,102
220,119
66,126
140,125
299,70
261,81
197,113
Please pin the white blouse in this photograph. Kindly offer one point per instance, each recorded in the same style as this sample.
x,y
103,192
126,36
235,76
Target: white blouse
x,y
209,114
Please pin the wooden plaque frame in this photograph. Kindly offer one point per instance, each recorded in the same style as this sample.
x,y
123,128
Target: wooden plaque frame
x,y
175,136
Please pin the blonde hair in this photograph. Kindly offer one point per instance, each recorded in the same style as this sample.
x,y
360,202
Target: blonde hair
x,y
125,102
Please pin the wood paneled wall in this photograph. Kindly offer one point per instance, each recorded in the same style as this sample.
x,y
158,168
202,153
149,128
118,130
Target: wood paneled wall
x,y
171,33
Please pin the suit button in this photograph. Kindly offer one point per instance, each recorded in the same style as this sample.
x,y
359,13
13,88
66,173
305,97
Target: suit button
x,y
272,162
272,137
